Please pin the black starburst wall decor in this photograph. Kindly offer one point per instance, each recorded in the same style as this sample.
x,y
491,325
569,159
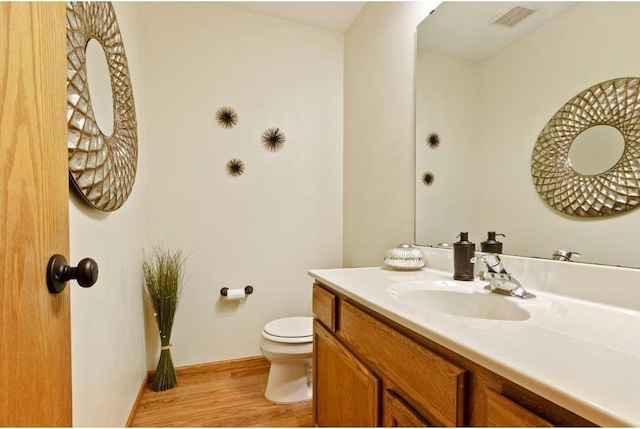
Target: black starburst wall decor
x,y
227,117
273,139
433,140
235,167
427,178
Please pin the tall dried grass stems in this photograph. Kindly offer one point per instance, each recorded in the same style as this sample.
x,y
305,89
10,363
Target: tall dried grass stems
x,y
164,276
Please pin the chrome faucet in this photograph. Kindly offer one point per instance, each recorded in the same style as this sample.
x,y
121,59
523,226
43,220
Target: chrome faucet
x,y
500,281
563,255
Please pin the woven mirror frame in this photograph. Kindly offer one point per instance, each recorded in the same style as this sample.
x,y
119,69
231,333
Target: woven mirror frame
x,y
102,168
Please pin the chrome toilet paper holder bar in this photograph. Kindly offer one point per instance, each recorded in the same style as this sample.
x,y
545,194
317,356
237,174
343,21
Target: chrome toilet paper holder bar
x,y
248,290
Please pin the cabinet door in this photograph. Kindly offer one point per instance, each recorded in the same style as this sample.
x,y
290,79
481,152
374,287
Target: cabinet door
x,y
398,414
345,392
503,412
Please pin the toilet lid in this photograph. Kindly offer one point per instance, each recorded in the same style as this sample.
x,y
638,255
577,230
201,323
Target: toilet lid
x,y
290,329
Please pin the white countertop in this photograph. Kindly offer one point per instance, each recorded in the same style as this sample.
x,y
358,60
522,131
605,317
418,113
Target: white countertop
x,y
581,355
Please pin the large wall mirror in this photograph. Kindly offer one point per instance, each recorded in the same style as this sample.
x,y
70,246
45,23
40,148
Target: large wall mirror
x,y
488,79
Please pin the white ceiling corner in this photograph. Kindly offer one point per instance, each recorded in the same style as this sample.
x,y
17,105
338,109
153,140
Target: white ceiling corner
x,y
328,15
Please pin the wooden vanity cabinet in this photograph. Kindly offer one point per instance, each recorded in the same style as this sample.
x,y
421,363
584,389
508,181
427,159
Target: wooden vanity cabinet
x,y
370,371
430,383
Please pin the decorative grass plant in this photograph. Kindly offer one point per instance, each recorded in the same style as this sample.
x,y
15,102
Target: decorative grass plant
x,y
164,275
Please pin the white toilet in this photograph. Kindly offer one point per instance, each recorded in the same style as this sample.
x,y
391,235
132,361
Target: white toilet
x,y
288,344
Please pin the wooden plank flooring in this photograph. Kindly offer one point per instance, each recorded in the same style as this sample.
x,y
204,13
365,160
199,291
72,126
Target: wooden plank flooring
x,y
227,394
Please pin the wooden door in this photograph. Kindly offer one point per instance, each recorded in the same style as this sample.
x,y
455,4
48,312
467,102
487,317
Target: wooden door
x,y
345,392
35,344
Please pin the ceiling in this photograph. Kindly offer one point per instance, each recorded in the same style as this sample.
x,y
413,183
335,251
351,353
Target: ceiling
x,y
463,30
328,15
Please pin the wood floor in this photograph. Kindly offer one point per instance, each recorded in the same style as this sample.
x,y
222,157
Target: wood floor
x,y
220,394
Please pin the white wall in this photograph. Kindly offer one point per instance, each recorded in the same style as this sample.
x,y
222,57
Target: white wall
x,y
283,216
107,329
447,103
379,131
522,87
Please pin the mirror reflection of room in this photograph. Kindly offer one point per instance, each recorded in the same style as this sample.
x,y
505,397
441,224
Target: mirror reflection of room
x,y
488,89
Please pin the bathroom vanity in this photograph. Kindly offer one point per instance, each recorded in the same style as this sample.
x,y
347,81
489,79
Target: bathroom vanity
x,y
420,349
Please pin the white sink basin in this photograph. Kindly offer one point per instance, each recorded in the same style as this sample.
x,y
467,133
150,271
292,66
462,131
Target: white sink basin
x,y
466,299
478,305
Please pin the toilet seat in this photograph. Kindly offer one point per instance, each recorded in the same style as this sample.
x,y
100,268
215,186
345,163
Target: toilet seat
x,y
289,330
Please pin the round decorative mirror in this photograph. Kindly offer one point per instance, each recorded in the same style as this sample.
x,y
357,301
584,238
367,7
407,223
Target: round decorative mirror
x,y
102,162
576,181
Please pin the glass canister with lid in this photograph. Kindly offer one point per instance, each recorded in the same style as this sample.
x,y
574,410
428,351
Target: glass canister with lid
x,y
404,257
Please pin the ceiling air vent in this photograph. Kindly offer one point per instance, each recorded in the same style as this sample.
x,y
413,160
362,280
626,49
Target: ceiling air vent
x,y
513,16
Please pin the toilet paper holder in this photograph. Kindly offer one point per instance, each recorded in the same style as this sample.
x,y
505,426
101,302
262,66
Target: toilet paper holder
x,y
248,290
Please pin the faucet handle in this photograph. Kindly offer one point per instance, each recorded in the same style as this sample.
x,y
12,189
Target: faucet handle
x,y
492,262
563,255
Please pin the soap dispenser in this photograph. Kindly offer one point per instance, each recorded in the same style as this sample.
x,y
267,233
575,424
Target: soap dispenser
x,y
463,251
490,245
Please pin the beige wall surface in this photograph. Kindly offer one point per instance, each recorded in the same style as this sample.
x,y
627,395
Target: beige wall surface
x,y
379,129
283,216
107,323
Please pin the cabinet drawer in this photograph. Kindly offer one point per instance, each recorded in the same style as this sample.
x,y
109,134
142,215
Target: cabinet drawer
x,y
324,306
435,385
502,411
398,414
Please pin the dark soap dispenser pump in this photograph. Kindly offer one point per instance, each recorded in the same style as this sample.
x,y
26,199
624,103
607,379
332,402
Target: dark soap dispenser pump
x,y
463,251
490,245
